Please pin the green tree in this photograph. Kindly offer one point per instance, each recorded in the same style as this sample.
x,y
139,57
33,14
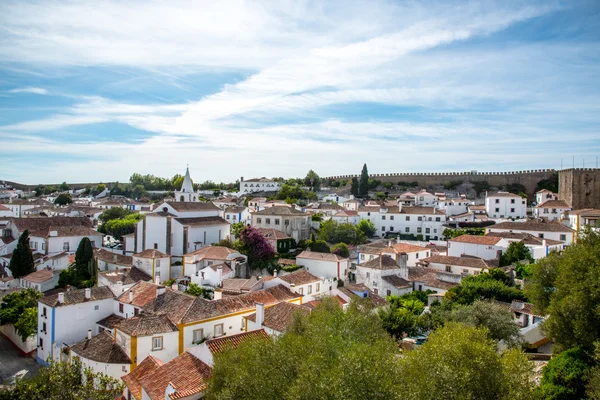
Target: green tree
x,y
236,228
483,286
367,227
550,184
319,246
402,317
21,262
461,362
121,227
20,309
68,381
63,199
312,180
568,284
363,188
64,186
565,376
516,251
138,191
341,249
328,354
198,291
99,189
114,213
354,189
334,232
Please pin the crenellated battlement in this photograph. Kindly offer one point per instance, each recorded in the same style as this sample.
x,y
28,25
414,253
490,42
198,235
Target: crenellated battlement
x,y
450,174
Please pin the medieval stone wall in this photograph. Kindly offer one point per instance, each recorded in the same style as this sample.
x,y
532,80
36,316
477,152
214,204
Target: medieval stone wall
x,y
580,187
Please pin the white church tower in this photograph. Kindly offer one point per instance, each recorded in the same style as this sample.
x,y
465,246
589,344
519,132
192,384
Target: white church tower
x,y
186,193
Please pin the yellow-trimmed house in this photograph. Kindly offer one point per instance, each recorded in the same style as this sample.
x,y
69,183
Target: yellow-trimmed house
x,y
155,263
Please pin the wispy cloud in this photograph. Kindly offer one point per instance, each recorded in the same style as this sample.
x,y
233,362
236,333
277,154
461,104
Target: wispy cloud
x,y
34,90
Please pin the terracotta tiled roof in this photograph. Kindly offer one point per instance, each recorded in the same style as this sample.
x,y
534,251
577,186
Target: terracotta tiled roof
x,y
38,226
146,324
203,309
475,239
78,296
127,276
223,343
40,276
592,211
132,379
111,321
347,213
235,210
113,258
101,348
151,253
532,226
397,282
408,248
212,253
471,262
143,293
202,221
280,210
313,255
349,290
314,303
429,278
553,204
4,208
240,284
273,233
225,268
187,374
381,262
326,206
173,304
187,207
524,237
504,194
300,277
280,316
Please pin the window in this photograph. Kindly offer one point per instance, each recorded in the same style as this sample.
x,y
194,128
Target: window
x,y
318,287
429,219
301,291
563,237
227,216
419,218
383,228
41,343
198,335
155,246
512,201
437,219
465,271
407,229
157,263
287,221
368,275
157,343
276,222
383,217
93,243
121,308
392,217
448,268
417,255
268,221
66,246
427,230
391,229
258,220
309,289
368,214
388,292
34,245
497,201
407,218
96,307
44,327
136,311
218,330
43,311
497,210
419,230
541,235
362,256
43,246
512,210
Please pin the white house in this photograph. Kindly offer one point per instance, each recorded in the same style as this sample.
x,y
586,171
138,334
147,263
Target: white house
x,y
351,205
552,210
65,317
486,247
121,280
425,221
346,216
374,275
538,247
327,265
109,261
236,214
580,218
102,354
543,230
460,266
154,263
423,279
258,185
200,265
505,205
286,219
302,282
207,350
42,280
425,199
544,195
275,319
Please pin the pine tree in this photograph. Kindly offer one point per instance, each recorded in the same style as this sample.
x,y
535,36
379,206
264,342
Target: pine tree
x,y
21,262
354,187
363,188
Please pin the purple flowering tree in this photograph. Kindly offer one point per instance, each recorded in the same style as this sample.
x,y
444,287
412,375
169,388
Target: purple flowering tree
x,y
256,247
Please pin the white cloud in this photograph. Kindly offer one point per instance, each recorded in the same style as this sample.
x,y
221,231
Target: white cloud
x,y
34,90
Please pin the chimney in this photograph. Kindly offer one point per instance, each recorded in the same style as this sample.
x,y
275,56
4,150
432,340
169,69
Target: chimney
x,y
89,334
61,297
119,288
275,273
217,294
397,240
260,314
131,296
220,275
88,293
544,243
389,243
160,290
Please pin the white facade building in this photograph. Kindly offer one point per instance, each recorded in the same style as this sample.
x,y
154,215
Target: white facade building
x,y
325,265
426,221
486,247
505,205
552,210
258,185
294,223
385,275
543,230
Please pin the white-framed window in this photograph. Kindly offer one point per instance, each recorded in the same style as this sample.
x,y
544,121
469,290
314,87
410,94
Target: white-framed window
x,y
218,330
227,216
368,275
277,222
309,289
157,263
258,220
497,201
66,246
407,218
448,268
512,201
512,210
419,218
563,237
198,335
419,230
427,230
318,287
383,217
383,228
407,229
301,291
96,307
497,210
157,343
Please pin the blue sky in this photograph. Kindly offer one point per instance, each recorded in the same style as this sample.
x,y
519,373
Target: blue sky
x,y
250,88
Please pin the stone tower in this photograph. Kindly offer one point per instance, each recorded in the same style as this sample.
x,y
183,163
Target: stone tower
x,y
580,187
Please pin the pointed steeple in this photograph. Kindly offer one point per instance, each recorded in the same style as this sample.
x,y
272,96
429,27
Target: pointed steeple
x,y
187,186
